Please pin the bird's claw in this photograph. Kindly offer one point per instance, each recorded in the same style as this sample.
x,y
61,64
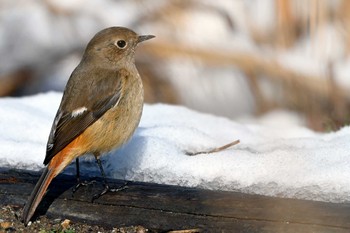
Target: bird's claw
x,y
80,184
108,189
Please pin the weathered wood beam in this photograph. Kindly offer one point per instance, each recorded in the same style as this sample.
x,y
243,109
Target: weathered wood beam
x,y
165,207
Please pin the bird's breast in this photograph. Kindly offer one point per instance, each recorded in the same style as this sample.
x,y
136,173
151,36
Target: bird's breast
x,y
119,123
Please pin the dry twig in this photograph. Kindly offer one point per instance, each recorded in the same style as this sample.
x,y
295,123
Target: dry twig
x,y
186,231
213,150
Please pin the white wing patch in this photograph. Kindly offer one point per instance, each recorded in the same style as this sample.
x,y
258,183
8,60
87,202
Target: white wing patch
x,y
78,111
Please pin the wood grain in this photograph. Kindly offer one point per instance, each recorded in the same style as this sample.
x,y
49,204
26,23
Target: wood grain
x,y
163,207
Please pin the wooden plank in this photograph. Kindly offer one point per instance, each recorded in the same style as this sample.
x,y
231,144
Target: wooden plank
x,y
164,207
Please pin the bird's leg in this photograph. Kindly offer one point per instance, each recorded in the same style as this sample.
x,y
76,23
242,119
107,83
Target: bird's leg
x,y
79,182
107,187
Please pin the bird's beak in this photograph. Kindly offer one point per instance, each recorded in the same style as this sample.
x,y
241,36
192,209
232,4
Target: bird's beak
x,y
143,38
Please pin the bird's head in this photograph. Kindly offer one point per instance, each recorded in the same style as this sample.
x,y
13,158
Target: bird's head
x,y
114,45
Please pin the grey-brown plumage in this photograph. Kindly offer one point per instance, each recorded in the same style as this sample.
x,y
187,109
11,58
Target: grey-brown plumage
x,y
100,109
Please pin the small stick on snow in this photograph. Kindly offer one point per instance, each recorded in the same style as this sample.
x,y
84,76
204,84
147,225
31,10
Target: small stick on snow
x,y
186,231
214,150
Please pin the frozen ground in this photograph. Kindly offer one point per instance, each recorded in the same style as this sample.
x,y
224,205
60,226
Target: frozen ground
x,y
276,159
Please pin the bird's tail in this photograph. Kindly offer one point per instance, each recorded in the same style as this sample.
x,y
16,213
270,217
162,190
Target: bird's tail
x,y
56,165
37,194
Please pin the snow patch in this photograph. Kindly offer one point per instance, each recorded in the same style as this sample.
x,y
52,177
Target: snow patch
x,y
285,160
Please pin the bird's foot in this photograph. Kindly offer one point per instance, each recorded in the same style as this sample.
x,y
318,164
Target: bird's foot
x,y
108,189
80,184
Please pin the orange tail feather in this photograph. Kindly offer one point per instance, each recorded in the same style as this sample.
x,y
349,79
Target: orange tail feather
x,y
56,165
37,194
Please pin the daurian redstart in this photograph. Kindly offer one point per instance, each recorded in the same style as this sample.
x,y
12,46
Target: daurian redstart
x,y
100,109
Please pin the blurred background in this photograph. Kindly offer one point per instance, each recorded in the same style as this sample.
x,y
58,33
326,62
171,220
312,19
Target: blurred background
x,y
242,59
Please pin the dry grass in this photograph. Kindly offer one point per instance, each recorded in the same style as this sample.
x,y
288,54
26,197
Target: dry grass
x,y
321,99
324,102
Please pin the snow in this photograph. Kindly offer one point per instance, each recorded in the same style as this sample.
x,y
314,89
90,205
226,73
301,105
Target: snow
x,y
282,159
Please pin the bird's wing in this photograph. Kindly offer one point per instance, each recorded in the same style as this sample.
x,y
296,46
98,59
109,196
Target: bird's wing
x,y
77,112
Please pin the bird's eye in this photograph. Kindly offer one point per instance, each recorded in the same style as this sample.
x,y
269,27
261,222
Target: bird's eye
x,y
121,44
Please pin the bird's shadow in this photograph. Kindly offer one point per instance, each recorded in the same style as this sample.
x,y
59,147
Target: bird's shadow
x,y
24,181
59,185
62,185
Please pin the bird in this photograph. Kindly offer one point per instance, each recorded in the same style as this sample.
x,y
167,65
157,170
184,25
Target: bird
x,y
100,108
